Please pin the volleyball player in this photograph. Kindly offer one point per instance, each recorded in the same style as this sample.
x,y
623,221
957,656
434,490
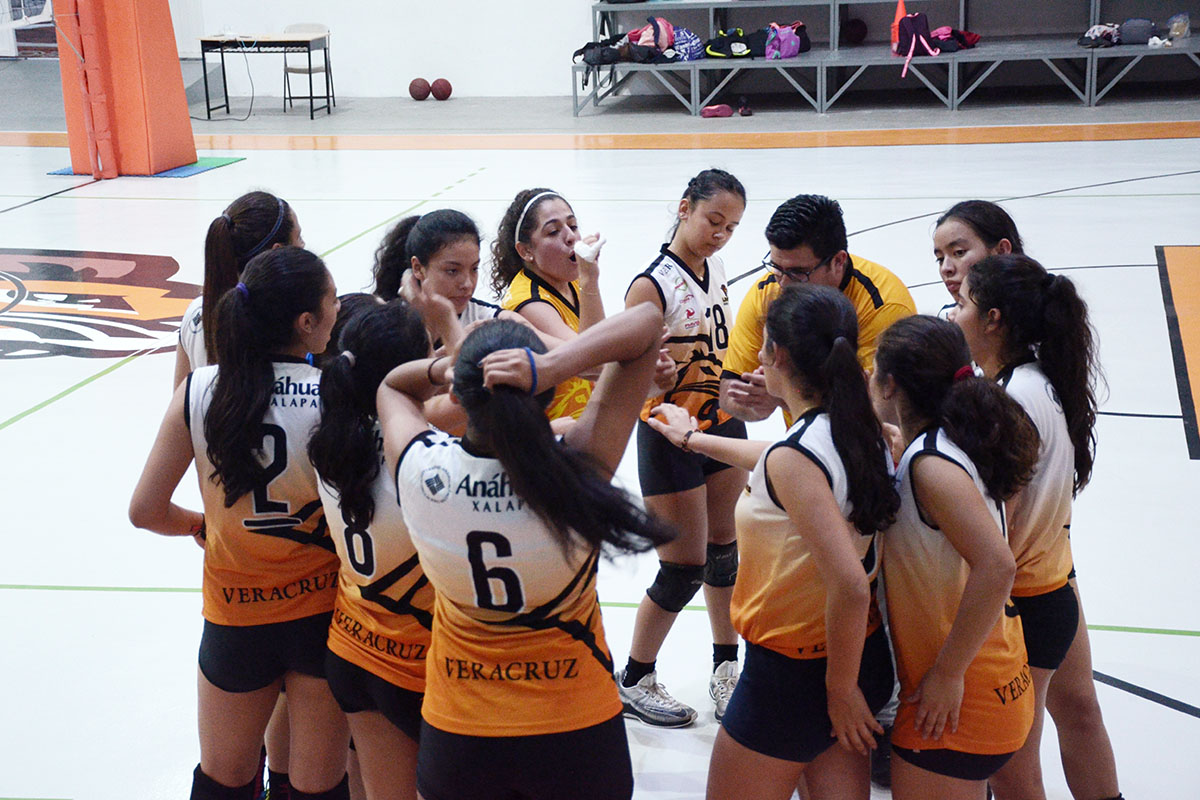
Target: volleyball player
x,y
384,609
807,239
510,523
969,231
693,493
254,222
269,566
965,688
1029,330
537,273
817,661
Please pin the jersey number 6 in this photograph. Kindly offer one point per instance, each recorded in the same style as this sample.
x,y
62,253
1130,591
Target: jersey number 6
x,y
482,575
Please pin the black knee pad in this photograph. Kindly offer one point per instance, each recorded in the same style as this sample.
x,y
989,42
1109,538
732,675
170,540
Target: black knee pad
x,y
205,788
675,585
722,565
339,792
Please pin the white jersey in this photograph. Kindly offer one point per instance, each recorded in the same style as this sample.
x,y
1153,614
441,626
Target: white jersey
x,y
696,314
477,310
191,335
267,558
1039,514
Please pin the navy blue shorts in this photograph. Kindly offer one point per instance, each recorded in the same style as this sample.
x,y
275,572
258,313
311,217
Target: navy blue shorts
x,y
587,764
780,707
665,469
952,763
245,658
356,689
1049,622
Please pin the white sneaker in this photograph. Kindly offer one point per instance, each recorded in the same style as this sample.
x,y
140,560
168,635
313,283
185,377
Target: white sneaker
x,y
648,701
721,685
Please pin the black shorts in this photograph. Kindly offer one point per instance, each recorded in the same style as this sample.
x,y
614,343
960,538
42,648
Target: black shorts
x,y
356,689
952,763
780,709
1049,621
244,658
665,469
588,764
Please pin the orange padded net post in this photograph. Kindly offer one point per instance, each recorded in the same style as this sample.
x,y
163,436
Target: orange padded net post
x,y
123,90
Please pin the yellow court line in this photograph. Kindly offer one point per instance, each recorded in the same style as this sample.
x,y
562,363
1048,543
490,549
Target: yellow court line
x,y
704,140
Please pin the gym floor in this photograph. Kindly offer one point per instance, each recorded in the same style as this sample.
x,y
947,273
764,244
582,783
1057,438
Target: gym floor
x,y
102,621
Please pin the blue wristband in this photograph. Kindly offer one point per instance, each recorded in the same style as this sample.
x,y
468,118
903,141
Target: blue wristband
x,y
533,370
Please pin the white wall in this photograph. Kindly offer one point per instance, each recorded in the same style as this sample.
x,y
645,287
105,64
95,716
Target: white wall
x,y
516,47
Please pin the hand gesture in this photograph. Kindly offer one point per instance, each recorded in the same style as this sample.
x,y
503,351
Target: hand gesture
x,y
675,422
587,256
512,367
853,723
939,700
436,311
751,392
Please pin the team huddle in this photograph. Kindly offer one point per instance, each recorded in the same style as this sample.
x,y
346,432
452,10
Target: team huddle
x,y
407,494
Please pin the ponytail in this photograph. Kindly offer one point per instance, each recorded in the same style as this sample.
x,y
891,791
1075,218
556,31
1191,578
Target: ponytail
x,y
391,262
563,486
818,329
1044,314
930,362
255,322
254,222
344,449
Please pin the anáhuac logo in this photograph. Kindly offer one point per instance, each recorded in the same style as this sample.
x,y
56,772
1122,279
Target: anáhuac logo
x,y
90,305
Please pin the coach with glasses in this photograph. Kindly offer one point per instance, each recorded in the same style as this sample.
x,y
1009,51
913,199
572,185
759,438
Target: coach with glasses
x,y
807,238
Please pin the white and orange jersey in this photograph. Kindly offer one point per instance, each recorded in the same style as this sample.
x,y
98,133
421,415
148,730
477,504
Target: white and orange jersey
x,y
696,315
925,577
384,610
268,558
518,643
191,335
779,598
1039,514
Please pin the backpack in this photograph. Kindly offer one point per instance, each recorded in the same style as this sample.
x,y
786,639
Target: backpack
x,y
914,32
728,44
598,54
787,41
1136,31
659,34
688,45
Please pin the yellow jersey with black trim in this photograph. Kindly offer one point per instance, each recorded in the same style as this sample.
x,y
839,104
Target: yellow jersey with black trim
x,y
779,598
879,298
268,558
572,395
925,577
518,643
695,314
1039,514
383,614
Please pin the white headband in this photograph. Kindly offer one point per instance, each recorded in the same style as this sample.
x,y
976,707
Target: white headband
x,y
525,210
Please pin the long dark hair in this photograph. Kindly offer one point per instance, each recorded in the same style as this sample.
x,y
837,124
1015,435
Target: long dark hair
x,y
252,326
707,185
421,235
254,222
563,486
352,305
924,355
1044,314
818,329
343,448
990,222
506,261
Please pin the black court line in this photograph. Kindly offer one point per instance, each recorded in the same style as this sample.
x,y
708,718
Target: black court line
x,y
1147,694
1054,269
1038,194
47,196
1139,416
1186,401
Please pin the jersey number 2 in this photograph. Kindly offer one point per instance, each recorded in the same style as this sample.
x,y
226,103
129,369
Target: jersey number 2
x,y
271,470
482,575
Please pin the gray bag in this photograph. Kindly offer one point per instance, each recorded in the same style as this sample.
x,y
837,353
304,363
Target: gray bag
x,y
1136,31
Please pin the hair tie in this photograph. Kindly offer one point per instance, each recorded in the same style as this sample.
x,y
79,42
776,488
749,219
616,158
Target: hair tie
x,y
964,372
226,217
532,369
346,354
840,339
241,287
528,205
274,230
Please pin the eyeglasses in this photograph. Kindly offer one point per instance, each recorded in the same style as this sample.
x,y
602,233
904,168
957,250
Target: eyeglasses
x,y
793,273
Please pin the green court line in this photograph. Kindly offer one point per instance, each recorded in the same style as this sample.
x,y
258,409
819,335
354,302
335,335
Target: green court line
x,y
128,359
68,391
179,590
